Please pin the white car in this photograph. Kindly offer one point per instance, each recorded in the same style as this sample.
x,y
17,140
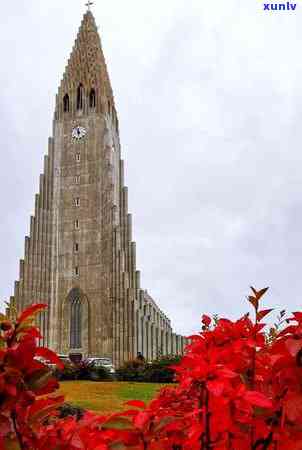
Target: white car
x,y
101,362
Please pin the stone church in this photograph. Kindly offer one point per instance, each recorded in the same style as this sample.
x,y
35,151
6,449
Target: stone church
x,y
80,258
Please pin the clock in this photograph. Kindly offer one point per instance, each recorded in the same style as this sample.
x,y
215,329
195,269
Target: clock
x,y
78,132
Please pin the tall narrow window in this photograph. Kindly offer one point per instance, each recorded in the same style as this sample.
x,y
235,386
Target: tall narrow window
x,y
77,179
143,335
75,324
92,99
77,225
66,103
77,201
162,343
76,247
78,157
76,271
80,97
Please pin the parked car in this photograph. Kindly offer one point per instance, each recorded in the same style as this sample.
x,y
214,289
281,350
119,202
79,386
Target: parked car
x,y
101,362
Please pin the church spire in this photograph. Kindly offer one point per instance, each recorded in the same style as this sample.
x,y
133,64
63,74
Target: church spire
x,y
86,81
89,4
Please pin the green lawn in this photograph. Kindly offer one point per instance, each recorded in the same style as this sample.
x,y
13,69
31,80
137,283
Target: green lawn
x,y
106,397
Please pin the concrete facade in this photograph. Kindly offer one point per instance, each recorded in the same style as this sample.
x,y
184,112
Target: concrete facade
x,y
80,258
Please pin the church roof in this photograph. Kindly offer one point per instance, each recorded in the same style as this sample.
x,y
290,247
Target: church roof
x,y
86,64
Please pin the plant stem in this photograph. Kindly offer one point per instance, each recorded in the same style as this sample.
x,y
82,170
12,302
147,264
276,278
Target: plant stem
x,y
204,418
207,421
253,374
200,414
18,434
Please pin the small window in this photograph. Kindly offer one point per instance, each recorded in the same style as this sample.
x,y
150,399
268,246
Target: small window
x,y
78,157
76,271
77,201
80,97
77,179
66,103
77,224
92,99
76,247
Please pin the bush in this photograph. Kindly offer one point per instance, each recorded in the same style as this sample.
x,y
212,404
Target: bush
x,y
237,390
161,370
131,371
158,371
82,371
68,410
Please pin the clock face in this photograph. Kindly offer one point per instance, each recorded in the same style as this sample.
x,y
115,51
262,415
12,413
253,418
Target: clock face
x,y
79,132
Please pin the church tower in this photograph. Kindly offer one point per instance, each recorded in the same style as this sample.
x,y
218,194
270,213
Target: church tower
x,y
79,256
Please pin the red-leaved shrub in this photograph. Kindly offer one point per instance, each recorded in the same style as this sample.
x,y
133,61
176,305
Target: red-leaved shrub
x,y
237,390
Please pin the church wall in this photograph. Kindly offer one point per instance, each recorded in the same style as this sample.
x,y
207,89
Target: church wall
x,y
118,317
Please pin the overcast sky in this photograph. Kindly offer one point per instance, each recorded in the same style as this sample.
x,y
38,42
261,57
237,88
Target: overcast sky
x,y
210,105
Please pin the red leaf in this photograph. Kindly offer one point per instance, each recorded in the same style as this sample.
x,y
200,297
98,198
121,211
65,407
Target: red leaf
x,y
50,356
216,387
49,388
5,425
11,390
42,403
32,331
263,313
141,420
257,399
227,373
136,403
195,337
31,311
42,408
206,320
293,346
293,407
298,316
77,442
129,412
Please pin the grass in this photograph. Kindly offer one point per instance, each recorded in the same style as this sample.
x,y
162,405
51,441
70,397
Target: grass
x,y
106,397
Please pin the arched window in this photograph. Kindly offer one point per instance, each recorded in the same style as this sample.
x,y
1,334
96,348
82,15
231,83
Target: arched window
x,y
92,98
80,97
66,103
75,324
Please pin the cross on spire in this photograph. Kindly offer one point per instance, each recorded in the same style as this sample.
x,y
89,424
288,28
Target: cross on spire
x,y
89,4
